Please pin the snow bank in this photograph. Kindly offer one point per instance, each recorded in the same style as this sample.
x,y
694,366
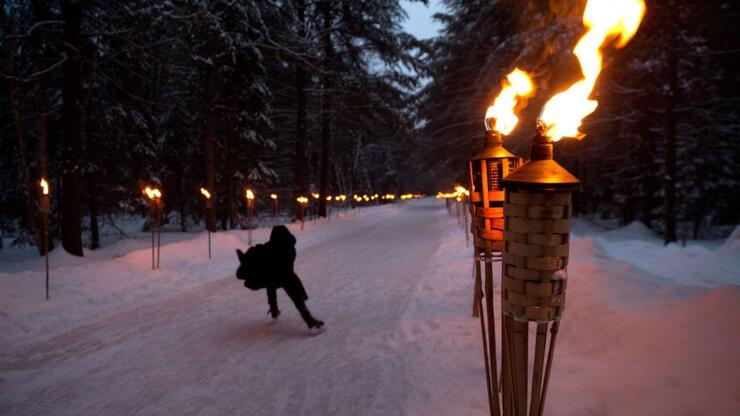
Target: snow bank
x,y
632,342
700,263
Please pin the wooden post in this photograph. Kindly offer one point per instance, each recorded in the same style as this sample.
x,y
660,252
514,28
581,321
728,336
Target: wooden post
x,y
45,207
486,359
207,195
208,228
46,248
151,225
158,212
249,221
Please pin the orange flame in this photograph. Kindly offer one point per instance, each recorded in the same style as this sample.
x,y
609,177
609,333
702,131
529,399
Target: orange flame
x,y
516,87
205,193
152,193
250,194
44,186
302,200
273,196
606,21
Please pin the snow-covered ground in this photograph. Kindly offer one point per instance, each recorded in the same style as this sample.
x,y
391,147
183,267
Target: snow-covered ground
x,y
648,329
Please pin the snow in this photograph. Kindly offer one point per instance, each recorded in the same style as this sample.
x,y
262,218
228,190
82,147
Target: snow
x,y
648,329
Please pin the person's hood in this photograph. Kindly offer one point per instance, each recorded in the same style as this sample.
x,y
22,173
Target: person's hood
x,y
281,237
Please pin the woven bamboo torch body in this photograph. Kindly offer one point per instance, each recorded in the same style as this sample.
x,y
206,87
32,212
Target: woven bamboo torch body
x,y
487,171
537,212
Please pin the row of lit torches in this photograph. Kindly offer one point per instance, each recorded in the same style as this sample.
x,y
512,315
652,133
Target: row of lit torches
x,y
154,197
521,216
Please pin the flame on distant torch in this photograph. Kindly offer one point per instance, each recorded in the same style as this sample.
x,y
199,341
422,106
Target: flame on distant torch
x,y
500,116
302,200
152,193
606,21
44,186
205,193
273,196
250,194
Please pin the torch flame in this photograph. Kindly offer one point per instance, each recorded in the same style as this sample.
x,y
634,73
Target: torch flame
x,y
460,191
250,194
517,86
273,196
606,21
302,200
205,193
44,186
152,193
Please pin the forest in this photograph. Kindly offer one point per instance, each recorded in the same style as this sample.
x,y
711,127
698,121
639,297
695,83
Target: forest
x,y
298,96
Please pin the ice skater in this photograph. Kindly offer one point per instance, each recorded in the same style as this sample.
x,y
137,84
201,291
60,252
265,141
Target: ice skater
x,y
270,265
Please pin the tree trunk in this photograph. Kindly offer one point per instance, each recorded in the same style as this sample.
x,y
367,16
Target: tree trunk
x,y
646,156
90,175
40,14
231,152
18,107
71,217
209,138
325,110
299,184
669,203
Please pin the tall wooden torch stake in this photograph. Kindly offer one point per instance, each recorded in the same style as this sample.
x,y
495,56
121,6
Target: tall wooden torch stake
x,y
302,201
250,209
155,197
486,170
158,212
274,198
151,225
45,208
207,196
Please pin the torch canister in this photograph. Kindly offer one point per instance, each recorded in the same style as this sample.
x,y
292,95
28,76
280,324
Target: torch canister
x,y
537,211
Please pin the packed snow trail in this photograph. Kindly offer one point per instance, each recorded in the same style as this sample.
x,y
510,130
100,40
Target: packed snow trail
x,y
214,350
648,329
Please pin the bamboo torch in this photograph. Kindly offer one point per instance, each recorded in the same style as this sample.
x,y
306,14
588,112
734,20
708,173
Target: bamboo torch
x,y
487,170
537,230
250,208
328,207
538,210
274,198
302,201
45,207
155,197
316,197
207,196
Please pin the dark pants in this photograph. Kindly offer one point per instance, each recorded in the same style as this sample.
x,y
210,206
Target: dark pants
x,y
295,291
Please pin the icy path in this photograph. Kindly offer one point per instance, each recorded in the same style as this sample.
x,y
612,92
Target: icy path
x,y
213,350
